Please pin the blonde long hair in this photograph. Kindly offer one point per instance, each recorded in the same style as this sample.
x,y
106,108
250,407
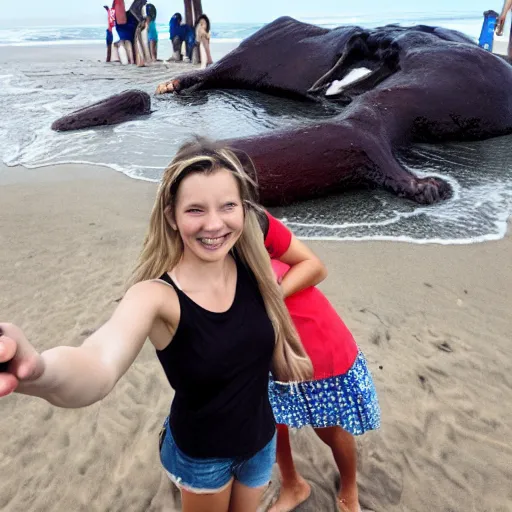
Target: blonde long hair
x,y
163,247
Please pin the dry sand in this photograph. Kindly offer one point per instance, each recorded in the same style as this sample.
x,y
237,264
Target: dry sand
x,y
434,322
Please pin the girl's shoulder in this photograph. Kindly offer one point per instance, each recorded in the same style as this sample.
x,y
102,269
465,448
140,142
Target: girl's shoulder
x,y
160,294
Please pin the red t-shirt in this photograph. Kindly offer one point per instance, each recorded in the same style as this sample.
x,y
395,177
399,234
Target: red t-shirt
x,y
111,13
327,340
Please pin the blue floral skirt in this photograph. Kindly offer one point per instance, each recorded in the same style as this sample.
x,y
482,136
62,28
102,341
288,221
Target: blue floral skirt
x,y
348,400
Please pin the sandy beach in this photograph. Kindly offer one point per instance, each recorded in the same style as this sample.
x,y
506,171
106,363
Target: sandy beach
x,y
65,53
433,321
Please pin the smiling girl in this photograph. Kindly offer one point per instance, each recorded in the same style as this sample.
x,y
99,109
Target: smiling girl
x,y
204,294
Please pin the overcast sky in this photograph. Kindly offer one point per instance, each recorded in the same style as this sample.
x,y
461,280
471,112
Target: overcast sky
x,y
48,12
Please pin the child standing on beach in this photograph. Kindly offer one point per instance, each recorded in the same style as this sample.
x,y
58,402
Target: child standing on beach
x,y
204,294
111,21
202,28
152,32
340,402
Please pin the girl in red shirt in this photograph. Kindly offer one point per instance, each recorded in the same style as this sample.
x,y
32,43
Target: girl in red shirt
x,y
341,401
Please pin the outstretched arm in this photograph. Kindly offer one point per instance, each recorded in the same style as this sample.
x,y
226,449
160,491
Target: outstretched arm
x,y
79,376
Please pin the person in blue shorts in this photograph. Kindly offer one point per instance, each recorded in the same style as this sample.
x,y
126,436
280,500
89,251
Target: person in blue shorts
x,y
179,33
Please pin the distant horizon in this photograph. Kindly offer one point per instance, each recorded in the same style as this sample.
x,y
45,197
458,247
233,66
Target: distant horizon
x,y
99,21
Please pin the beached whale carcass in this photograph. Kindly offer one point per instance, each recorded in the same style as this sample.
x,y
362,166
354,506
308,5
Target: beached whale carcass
x,y
399,85
112,110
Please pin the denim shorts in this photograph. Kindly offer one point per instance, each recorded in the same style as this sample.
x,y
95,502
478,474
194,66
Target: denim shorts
x,y
203,476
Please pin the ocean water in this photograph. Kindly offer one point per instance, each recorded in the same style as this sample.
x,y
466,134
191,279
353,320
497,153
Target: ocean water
x,y
468,22
34,94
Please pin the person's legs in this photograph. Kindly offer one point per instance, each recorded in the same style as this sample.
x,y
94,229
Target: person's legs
x,y
176,47
109,39
251,479
344,450
294,489
245,499
121,52
217,502
196,57
203,57
209,59
115,54
129,51
190,42
153,48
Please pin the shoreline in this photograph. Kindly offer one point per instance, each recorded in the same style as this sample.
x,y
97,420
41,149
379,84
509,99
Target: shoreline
x,y
72,174
9,175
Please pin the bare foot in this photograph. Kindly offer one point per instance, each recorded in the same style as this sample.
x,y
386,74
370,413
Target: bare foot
x,y
292,496
167,87
342,507
348,500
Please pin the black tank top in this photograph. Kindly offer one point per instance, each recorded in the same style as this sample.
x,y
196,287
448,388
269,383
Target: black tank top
x,y
218,365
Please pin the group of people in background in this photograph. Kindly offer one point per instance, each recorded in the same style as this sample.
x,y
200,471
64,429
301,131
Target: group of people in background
x,y
134,35
196,40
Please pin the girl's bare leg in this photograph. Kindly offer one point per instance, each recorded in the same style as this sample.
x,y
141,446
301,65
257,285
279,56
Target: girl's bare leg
x,y
294,489
203,55
129,51
217,502
245,499
153,48
209,59
344,450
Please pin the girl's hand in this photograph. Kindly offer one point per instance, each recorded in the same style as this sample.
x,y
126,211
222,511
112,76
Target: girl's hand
x,y
19,360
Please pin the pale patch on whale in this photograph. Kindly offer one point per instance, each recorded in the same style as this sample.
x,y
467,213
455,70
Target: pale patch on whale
x,y
338,85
